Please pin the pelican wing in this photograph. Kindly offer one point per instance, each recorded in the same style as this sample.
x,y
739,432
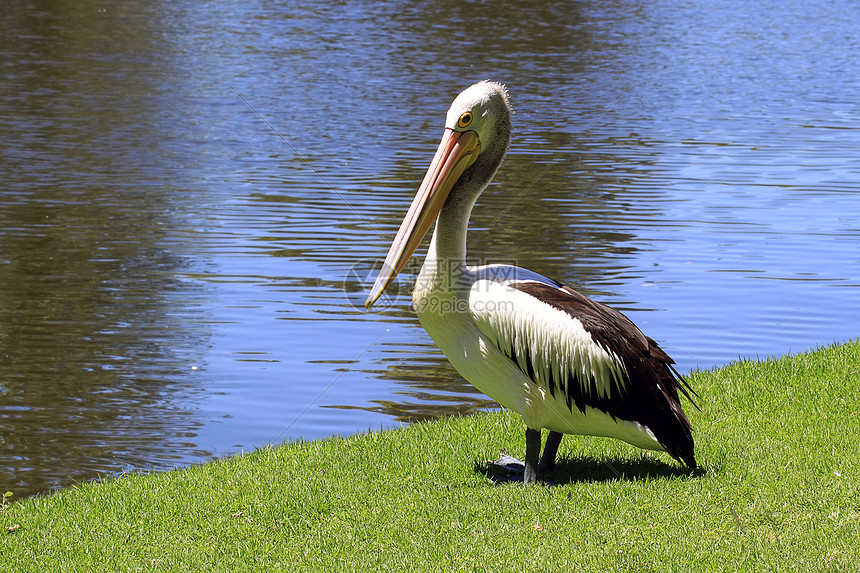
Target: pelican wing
x,y
590,353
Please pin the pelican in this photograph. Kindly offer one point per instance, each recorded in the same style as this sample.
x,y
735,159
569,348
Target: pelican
x,y
565,363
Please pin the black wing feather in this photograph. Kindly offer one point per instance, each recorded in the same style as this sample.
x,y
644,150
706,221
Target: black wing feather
x,y
651,382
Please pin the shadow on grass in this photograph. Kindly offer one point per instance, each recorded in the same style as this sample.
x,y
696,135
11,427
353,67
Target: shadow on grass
x,y
583,469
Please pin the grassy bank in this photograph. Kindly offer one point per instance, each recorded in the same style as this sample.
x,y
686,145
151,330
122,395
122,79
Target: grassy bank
x,y
778,491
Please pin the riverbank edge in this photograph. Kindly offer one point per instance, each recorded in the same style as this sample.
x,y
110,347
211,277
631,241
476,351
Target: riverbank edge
x,y
777,489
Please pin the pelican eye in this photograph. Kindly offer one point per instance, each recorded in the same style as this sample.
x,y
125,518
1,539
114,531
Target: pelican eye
x,y
465,119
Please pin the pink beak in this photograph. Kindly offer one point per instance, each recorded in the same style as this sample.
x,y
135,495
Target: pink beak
x,y
457,151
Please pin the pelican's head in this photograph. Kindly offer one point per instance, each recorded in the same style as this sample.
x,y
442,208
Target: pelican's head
x,y
484,109
477,132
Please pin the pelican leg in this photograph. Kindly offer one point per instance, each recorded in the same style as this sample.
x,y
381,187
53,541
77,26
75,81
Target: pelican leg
x,y
530,472
547,461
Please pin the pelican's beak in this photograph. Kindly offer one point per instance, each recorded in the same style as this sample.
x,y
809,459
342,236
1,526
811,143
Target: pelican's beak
x,y
457,151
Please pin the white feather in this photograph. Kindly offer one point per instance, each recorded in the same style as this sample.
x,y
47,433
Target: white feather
x,y
557,344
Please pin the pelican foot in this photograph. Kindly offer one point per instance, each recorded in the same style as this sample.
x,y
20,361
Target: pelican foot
x,y
513,470
510,463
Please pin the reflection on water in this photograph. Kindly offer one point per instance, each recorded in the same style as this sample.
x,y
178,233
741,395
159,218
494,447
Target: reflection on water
x,y
419,395
195,196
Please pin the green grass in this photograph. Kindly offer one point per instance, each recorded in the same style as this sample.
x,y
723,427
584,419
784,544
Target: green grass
x,y
777,491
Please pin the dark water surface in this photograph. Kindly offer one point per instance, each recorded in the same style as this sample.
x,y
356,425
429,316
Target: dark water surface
x,y
193,196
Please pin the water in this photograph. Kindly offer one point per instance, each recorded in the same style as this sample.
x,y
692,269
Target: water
x,y
194,195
